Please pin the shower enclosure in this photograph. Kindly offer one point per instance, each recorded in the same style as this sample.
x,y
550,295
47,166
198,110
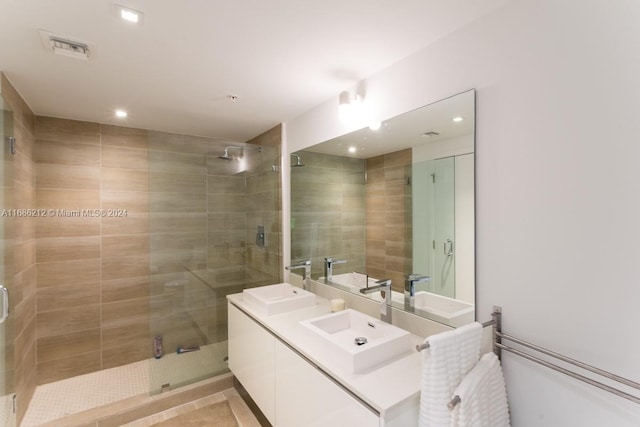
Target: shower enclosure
x,y
129,234
214,229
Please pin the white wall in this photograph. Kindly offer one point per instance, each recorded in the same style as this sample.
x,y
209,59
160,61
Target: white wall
x,y
465,228
558,195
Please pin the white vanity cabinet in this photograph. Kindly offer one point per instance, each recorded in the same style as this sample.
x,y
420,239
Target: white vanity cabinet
x,y
289,391
306,397
296,383
252,359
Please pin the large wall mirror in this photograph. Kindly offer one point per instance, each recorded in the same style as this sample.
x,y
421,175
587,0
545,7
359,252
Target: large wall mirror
x,y
394,203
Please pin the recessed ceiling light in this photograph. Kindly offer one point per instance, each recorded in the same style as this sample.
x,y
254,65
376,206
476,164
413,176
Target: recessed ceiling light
x,y
458,119
121,114
375,125
130,15
352,149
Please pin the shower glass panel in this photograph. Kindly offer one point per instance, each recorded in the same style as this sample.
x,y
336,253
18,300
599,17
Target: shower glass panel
x,y
214,221
7,417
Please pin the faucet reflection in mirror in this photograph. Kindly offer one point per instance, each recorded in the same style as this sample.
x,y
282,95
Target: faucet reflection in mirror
x,y
328,268
305,266
403,203
384,287
410,289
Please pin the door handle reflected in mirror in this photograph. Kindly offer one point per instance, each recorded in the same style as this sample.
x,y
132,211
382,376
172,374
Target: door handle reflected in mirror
x,y
448,247
5,303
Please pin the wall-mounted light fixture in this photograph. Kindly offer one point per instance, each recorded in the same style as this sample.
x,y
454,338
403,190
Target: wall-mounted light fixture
x,y
349,107
354,110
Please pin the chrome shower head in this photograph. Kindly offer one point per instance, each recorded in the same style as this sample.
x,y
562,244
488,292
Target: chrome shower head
x,y
225,155
298,163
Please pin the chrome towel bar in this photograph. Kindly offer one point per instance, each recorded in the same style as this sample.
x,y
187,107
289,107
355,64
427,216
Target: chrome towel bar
x,y
498,347
496,312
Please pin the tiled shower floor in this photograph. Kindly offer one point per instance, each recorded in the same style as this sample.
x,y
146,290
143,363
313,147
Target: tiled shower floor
x,y
58,399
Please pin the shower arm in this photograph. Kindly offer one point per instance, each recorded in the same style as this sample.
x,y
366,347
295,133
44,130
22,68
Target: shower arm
x,y
225,154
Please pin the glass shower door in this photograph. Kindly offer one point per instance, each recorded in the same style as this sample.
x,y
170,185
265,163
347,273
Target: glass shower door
x,y
443,279
7,416
214,222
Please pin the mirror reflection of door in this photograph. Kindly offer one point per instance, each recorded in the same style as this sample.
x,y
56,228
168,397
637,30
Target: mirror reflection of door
x,y
443,237
443,278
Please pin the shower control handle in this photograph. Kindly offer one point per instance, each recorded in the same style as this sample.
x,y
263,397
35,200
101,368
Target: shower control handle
x,y
448,247
5,303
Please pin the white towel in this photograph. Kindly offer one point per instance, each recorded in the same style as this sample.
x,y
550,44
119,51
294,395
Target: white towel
x,y
483,396
450,356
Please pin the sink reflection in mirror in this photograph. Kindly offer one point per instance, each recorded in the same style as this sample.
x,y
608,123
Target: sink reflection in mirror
x,y
357,342
278,298
403,203
450,311
445,310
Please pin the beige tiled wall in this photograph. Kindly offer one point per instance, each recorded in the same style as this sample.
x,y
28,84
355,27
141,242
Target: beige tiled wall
x,y
389,220
92,272
336,213
328,211
20,265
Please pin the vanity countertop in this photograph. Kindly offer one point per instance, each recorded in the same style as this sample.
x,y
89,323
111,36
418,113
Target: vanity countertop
x,y
387,389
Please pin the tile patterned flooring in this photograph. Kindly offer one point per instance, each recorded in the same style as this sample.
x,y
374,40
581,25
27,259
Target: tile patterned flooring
x,y
58,399
241,412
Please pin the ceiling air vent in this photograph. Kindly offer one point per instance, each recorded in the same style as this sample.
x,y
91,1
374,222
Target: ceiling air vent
x,y
62,45
431,133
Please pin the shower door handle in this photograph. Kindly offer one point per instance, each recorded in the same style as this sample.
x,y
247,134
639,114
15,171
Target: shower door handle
x,y
5,303
448,247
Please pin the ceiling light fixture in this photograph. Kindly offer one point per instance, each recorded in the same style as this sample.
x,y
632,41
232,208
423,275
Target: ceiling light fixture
x,y
457,119
121,114
352,149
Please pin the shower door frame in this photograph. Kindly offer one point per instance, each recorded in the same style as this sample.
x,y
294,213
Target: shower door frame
x,y
7,390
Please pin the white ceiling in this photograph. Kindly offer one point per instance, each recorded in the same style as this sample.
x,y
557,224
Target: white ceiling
x,y
175,71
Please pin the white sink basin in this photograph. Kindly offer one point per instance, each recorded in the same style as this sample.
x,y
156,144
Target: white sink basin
x,y
352,281
337,333
277,299
446,310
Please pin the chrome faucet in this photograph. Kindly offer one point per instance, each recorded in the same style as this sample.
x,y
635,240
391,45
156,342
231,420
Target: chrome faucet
x,y
410,289
328,268
306,274
384,286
